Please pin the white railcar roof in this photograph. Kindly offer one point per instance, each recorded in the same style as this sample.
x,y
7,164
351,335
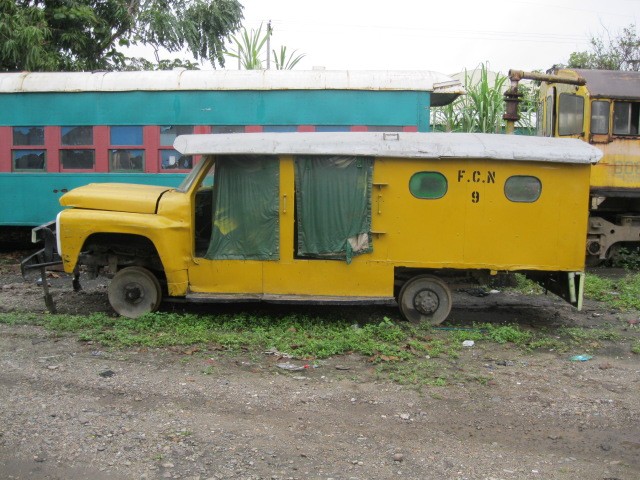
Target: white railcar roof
x,y
181,79
401,145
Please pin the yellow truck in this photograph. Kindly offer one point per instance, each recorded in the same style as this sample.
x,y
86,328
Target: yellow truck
x,y
339,218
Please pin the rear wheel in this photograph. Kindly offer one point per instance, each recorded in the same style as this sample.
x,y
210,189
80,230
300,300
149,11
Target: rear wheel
x,y
134,291
425,298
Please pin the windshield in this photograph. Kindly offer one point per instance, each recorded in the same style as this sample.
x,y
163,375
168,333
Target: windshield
x,y
195,173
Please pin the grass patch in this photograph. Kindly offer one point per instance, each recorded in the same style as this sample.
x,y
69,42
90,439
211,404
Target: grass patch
x,y
404,353
622,293
525,286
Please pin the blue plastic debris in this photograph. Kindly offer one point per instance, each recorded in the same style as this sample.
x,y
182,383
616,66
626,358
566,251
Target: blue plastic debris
x,y
581,358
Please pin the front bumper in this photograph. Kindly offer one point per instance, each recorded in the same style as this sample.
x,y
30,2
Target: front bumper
x,y
48,255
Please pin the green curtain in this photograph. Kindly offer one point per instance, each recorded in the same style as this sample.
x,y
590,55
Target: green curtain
x,y
245,209
333,205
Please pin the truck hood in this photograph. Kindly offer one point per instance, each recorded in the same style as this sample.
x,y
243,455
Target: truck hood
x,y
116,197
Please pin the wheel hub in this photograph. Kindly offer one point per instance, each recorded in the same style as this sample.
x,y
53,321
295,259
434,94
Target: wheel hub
x,y
426,302
133,292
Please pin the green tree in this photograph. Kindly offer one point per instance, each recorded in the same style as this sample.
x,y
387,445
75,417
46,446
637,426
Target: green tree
x,y
88,34
619,52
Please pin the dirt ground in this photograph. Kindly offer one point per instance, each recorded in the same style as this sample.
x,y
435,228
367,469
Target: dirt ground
x,y
72,410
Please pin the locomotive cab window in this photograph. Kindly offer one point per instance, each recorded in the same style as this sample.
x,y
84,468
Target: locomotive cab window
x,y
600,117
571,118
626,117
523,188
428,185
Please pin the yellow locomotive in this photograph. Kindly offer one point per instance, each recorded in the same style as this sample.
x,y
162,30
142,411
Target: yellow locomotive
x,y
602,108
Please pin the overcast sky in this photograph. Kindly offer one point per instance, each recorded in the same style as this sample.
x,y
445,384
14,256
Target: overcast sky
x,y
444,36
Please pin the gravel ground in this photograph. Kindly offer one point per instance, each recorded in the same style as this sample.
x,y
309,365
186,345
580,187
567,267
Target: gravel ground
x,y
72,410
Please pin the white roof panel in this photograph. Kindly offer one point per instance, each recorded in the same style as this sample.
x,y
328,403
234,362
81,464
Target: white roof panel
x,y
181,79
403,145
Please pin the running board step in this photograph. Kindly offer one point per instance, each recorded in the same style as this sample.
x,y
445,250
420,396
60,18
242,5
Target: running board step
x,y
300,299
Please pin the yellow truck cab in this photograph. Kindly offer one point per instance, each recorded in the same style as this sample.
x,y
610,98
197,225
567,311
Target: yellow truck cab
x,y
338,218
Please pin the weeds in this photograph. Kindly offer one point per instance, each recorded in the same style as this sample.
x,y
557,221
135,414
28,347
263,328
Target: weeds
x,y
402,352
623,293
627,258
525,286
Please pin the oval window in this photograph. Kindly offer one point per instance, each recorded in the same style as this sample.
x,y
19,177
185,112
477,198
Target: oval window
x,y
428,185
522,188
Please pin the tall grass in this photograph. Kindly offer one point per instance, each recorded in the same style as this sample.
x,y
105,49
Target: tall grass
x,y
482,108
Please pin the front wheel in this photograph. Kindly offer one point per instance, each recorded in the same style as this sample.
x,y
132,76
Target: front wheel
x,y
134,291
425,298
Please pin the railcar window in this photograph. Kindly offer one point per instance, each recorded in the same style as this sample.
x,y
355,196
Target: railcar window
x,y
333,128
428,185
29,160
571,109
169,133
128,135
384,128
228,129
28,136
600,117
76,135
172,159
626,117
280,128
169,158
126,160
523,188
72,159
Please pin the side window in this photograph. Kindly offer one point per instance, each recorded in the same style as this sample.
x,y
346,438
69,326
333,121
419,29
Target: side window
x,y
600,117
245,211
333,206
549,119
71,136
626,117
170,159
28,160
228,129
126,159
280,128
571,110
28,136
428,185
77,158
25,158
523,188
125,135
539,117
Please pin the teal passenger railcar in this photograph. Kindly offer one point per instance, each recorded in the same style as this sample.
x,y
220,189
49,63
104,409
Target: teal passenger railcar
x,y
59,131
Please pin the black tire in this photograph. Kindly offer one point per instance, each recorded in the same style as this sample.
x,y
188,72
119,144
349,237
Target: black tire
x,y
134,291
425,298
